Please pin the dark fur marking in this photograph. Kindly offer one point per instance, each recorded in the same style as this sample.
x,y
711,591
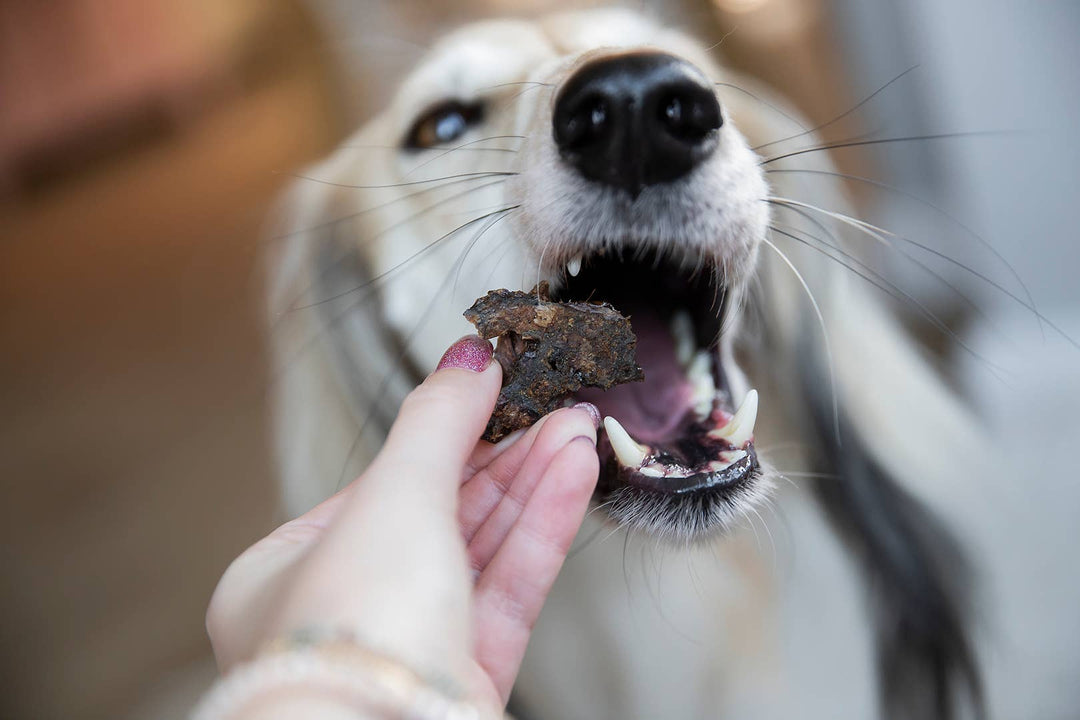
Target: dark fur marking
x,y
916,573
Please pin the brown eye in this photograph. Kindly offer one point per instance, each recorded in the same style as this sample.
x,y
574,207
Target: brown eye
x,y
443,124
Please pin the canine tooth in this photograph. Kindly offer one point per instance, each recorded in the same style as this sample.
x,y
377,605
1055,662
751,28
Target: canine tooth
x,y
574,266
682,332
741,426
652,471
628,452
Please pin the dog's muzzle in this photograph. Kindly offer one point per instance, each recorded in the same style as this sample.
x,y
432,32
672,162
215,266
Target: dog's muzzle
x,y
678,449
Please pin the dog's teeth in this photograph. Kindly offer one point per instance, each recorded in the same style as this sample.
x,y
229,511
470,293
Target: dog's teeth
x,y
682,332
628,452
574,266
726,460
703,388
741,426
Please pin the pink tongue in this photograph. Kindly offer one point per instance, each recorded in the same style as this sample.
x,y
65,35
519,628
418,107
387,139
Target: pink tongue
x,y
650,410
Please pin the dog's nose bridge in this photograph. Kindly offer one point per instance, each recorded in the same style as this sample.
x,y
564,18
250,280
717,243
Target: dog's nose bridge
x,y
636,119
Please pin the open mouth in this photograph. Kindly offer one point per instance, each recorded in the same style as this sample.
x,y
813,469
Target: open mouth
x,y
677,435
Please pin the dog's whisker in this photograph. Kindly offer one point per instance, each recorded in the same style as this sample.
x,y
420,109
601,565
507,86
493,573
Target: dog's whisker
x,y
467,146
471,210
461,263
419,253
875,231
814,475
507,246
294,304
433,148
338,316
839,117
518,82
866,273
574,551
786,479
540,269
350,186
389,203
768,533
764,102
942,212
521,93
824,332
801,209
875,278
879,141
720,42
393,226
773,448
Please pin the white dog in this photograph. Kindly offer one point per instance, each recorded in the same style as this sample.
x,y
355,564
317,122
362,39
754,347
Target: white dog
x,y
813,564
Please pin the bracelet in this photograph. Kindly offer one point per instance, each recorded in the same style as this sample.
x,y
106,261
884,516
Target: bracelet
x,y
333,663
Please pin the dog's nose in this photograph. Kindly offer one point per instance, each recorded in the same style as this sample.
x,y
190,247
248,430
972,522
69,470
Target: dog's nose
x,y
636,119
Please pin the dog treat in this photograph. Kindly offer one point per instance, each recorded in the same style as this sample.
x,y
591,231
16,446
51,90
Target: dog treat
x,y
549,350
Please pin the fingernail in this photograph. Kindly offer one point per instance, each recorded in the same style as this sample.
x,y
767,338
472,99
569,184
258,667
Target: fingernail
x,y
594,412
471,352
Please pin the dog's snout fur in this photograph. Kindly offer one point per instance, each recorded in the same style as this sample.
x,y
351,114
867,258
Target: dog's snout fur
x,y
636,119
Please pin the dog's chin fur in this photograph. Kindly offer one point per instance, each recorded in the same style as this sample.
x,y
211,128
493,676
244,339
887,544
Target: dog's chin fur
x,y
367,290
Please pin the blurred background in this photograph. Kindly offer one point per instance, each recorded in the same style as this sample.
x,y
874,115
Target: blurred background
x,y
142,144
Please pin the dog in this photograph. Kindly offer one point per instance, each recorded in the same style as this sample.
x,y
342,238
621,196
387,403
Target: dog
x,y
820,563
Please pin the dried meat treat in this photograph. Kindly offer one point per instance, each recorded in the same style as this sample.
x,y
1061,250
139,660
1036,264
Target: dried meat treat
x,y
549,350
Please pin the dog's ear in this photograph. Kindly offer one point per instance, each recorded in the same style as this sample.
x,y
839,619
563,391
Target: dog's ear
x,y
917,577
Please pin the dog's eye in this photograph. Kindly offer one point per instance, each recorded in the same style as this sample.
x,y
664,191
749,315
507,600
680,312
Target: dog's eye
x,y
443,123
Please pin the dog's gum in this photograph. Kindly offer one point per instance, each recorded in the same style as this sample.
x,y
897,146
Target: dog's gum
x,y
549,350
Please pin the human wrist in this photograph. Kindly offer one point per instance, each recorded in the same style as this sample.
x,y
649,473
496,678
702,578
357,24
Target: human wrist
x,y
326,672
302,702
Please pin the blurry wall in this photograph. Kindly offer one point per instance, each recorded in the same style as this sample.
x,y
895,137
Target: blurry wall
x,y
140,145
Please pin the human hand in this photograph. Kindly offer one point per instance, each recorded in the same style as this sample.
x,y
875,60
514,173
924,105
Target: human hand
x,y
441,553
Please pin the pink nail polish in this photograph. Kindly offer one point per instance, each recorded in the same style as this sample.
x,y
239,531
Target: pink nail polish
x,y
471,352
594,412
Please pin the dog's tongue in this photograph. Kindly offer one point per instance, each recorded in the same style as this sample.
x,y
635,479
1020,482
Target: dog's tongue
x,y
649,410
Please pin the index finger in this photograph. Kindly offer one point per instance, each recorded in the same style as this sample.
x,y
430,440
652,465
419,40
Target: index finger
x,y
438,427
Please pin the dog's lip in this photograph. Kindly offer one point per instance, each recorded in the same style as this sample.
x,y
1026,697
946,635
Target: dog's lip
x,y
735,475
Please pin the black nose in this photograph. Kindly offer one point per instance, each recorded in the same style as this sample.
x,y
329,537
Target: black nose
x,y
636,119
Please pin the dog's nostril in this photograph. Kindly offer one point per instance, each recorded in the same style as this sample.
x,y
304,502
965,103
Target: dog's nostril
x,y
580,126
690,115
636,119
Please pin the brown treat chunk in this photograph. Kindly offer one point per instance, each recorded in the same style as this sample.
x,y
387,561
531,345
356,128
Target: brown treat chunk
x,y
549,350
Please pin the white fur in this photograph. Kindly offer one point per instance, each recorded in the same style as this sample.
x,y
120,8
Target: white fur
x,y
768,622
